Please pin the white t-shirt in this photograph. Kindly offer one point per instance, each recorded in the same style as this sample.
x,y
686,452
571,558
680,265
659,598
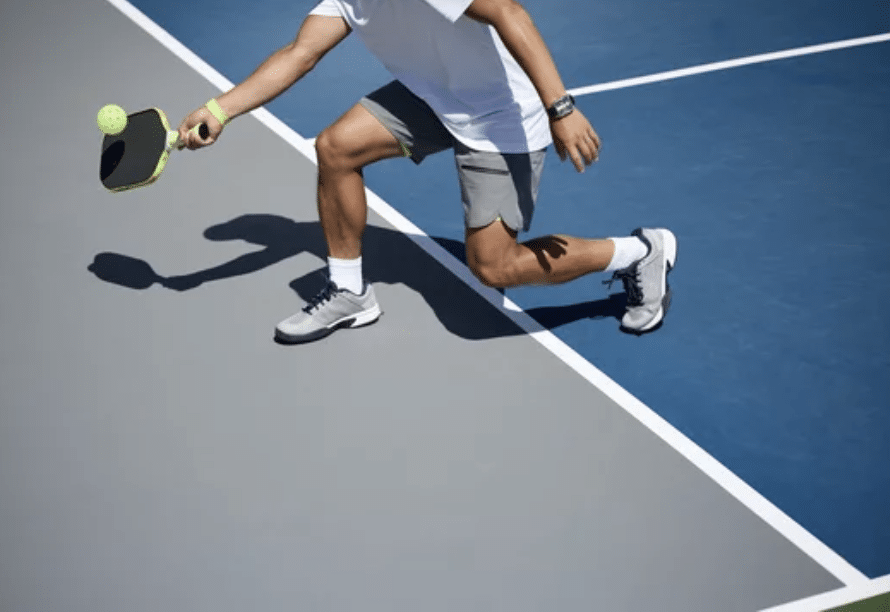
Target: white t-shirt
x,y
459,66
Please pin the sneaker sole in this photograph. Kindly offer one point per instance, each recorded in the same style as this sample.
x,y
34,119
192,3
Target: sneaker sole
x,y
362,319
670,250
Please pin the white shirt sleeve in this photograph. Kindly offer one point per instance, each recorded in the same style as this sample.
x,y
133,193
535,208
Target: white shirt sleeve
x,y
327,8
450,9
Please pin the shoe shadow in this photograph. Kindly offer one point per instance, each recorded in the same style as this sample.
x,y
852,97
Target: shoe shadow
x,y
389,257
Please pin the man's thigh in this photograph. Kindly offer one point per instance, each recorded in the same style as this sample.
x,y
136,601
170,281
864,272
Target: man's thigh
x,y
493,185
498,186
410,120
355,140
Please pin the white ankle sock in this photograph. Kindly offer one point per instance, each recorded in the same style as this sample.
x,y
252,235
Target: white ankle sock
x,y
346,274
628,250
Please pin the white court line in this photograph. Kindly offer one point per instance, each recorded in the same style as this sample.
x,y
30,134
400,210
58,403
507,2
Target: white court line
x,y
754,501
725,65
839,597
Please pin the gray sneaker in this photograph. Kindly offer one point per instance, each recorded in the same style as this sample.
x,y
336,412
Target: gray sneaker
x,y
648,292
330,310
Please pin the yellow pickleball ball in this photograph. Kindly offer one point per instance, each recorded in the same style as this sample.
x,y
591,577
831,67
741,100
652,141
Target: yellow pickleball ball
x,y
112,119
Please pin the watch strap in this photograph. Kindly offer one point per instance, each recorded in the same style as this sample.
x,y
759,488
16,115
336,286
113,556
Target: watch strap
x,y
562,107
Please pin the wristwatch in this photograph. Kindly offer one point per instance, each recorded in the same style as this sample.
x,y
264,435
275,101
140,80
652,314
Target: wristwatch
x,y
562,107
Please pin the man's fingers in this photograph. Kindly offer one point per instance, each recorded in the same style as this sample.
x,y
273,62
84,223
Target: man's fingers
x,y
186,137
191,138
594,143
594,148
582,154
575,139
589,151
586,152
188,134
578,160
196,140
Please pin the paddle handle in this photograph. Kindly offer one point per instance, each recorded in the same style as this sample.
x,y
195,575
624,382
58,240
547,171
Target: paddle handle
x,y
202,130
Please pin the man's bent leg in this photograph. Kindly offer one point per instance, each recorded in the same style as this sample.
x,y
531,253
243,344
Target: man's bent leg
x,y
351,143
496,258
354,141
503,188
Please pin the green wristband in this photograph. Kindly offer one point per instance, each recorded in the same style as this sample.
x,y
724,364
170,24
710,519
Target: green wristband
x,y
217,111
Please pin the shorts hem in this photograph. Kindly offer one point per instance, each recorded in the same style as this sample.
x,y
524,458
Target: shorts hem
x,y
522,225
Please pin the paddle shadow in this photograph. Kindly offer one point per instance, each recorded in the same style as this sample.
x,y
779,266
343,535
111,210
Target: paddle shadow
x,y
388,257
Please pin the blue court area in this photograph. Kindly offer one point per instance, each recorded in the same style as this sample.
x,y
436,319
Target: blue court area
x,y
775,179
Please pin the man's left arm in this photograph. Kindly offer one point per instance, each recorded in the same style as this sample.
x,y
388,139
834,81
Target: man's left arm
x,y
573,135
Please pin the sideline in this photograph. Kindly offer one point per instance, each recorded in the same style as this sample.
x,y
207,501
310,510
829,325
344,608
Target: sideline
x,y
839,597
726,65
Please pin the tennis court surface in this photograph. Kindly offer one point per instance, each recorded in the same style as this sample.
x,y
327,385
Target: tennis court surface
x,y
159,451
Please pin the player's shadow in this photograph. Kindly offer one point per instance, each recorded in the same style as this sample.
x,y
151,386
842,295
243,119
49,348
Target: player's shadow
x,y
389,257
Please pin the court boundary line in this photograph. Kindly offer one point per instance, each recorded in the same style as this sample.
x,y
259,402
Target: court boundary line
x,y
838,597
755,502
728,64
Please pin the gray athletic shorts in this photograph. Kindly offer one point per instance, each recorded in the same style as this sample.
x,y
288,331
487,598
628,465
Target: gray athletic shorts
x,y
492,185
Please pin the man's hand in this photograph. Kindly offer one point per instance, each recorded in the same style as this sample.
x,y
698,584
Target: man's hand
x,y
574,138
191,139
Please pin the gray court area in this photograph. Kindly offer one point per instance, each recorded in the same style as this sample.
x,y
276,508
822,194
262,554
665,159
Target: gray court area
x,y
158,451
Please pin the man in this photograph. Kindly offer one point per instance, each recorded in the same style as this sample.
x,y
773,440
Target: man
x,y
471,75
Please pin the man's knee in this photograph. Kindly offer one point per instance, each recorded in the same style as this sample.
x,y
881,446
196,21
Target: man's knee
x,y
492,255
354,141
333,148
326,147
491,273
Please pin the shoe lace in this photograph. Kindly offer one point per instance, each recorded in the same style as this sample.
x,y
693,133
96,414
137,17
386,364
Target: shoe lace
x,y
319,300
629,277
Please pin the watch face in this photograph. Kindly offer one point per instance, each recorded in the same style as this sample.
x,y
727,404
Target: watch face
x,y
562,107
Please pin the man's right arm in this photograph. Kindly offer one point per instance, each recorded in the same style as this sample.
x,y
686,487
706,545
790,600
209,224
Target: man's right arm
x,y
317,36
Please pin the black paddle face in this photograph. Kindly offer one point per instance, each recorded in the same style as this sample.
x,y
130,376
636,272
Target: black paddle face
x,y
130,159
